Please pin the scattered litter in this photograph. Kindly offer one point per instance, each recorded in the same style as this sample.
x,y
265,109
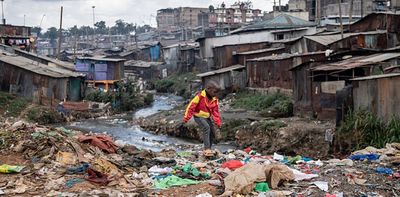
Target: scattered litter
x,y
6,169
382,170
97,177
79,169
172,181
361,157
261,187
204,195
66,158
232,164
278,157
70,183
104,142
322,185
300,176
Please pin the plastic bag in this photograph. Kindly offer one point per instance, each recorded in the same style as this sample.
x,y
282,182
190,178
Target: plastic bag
x,y
10,169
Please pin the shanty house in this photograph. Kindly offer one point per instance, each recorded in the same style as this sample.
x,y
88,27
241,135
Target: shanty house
x,y
272,73
316,86
378,94
101,72
37,81
230,79
147,70
281,28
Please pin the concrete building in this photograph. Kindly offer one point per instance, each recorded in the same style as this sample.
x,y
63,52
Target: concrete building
x,y
238,13
187,17
319,10
166,19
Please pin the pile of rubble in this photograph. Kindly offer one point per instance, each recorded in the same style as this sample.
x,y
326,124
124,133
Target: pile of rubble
x,y
45,161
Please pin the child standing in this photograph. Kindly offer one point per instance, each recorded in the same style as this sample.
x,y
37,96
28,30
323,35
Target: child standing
x,y
204,108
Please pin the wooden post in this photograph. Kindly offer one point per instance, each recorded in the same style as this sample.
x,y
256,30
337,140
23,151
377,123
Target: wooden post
x,y
350,13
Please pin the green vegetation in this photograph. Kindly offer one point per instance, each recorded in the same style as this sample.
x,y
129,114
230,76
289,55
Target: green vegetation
x,y
277,105
43,115
127,97
228,129
177,84
11,105
272,125
362,128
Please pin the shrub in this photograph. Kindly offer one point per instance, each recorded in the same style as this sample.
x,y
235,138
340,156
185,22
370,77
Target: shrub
x,y
363,128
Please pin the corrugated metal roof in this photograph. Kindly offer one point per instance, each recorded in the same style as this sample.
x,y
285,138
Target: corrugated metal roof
x,y
260,51
356,62
101,59
282,21
283,56
32,66
222,70
142,64
376,77
330,39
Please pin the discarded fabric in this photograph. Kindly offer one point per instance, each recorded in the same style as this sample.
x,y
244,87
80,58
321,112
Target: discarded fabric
x,y
97,177
78,170
278,173
370,157
10,169
104,142
232,164
172,181
382,170
155,170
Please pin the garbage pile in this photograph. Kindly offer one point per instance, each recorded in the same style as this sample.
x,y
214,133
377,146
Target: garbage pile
x,y
46,161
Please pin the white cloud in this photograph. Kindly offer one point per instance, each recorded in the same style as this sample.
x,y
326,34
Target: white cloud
x,y
79,12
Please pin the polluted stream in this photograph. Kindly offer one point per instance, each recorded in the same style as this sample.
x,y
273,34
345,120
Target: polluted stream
x,y
121,129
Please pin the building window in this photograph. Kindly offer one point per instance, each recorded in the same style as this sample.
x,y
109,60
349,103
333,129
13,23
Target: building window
x,y
279,36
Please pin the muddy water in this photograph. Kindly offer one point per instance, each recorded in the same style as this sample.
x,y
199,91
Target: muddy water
x,y
120,129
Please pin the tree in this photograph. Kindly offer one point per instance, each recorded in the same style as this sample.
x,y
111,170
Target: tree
x,y
101,27
52,34
120,26
36,30
74,31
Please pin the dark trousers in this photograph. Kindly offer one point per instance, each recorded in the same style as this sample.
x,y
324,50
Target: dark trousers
x,y
206,125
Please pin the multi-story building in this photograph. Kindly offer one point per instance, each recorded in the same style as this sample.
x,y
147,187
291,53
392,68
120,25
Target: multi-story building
x,y
321,10
239,12
18,36
166,19
188,17
171,19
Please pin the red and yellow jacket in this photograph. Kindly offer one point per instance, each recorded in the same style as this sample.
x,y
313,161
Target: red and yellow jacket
x,y
202,107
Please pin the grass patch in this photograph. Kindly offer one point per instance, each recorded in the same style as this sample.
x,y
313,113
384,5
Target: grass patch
x,y
176,84
265,103
43,115
363,128
12,105
272,125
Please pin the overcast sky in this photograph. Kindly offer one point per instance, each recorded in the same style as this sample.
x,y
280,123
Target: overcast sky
x,y
79,12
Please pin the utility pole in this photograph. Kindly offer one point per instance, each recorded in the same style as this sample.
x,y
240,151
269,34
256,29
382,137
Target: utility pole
x,y
136,41
362,8
340,18
317,10
350,13
60,34
24,19
2,13
94,28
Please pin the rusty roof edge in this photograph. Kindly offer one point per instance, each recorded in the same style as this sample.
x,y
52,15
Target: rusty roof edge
x,y
222,70
376,77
